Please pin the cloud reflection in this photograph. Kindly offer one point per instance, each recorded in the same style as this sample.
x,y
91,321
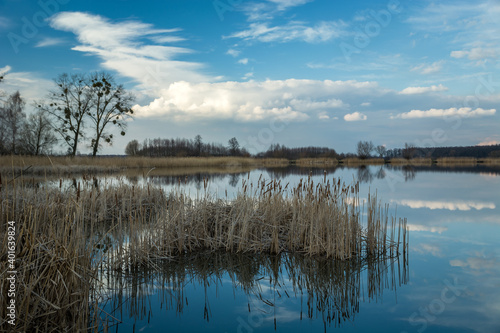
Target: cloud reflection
x,y
448,205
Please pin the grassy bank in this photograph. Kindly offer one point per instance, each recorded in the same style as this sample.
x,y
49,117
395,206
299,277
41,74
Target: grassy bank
x,y
66,236
61,165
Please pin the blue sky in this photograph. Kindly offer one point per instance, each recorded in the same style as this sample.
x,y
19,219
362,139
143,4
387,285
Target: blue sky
x,y
294,72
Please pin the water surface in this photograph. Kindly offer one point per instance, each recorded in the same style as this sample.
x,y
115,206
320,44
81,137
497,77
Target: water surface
x,y
451,282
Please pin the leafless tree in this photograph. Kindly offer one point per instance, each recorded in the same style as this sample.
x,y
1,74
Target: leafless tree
x,y
11,120
37,135
111,106
364,149
68,105
132,148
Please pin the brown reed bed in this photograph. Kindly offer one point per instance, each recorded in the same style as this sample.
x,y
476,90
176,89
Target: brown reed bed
x,y
66,236
456,161
320,161
418,161
354,161
63,165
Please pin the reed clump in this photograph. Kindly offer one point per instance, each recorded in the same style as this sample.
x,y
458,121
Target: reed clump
x,y
68,235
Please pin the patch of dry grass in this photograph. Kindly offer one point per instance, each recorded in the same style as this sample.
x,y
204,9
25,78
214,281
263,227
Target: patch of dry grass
x,y
67,235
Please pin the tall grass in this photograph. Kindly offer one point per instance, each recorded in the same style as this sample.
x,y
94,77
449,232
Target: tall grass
x,y
66,236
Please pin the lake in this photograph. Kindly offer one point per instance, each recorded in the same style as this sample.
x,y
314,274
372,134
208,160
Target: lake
x,y
450,282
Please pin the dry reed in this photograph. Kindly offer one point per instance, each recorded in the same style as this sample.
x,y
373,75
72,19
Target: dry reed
x,y
66,236
62,165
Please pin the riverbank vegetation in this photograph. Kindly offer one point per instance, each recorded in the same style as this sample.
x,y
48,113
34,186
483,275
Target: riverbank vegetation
x,y
66,236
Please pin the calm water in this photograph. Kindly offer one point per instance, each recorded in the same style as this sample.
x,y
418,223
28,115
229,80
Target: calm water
x,y
451,282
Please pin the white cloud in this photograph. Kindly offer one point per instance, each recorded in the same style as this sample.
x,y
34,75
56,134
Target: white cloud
x,y
292,31
253,101
366,104
422,90
243,61
121,46
425,69
464,112
233,52
247,76
447,205
49,41
488,143
31,85
356,116
284,4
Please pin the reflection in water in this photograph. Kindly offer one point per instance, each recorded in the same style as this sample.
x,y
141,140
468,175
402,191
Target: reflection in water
x,y
320,289
447,205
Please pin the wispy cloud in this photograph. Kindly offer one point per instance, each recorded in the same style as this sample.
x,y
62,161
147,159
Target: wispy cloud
x,y
355,116
464,112
292,31
433,68
423,90
243,61
4,22
126,48
285,4
49,41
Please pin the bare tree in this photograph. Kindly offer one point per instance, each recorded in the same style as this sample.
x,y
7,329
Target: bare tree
x,y
408,150
37,135
111,106
364,149
11,118
381,150
234,146
68,107
198,143
132,148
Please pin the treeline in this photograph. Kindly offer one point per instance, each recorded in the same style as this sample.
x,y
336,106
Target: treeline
x,y
366,149
180,147
440,152
281,151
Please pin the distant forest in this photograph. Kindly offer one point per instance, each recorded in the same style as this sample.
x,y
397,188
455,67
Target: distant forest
x,y
181,147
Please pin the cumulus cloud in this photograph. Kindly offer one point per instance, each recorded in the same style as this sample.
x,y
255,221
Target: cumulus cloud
x,y
291,99
464,112
423,90
243,61
447,205
355,116
126,47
